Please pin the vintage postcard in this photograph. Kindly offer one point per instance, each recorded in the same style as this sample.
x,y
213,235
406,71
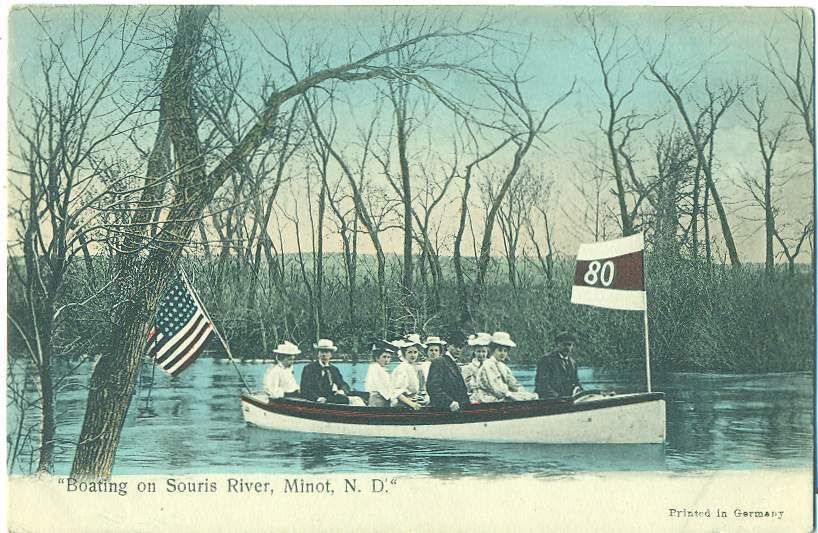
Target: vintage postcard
x,y
409,268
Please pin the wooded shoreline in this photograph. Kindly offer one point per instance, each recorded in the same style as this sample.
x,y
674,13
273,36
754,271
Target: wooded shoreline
x,y
715,318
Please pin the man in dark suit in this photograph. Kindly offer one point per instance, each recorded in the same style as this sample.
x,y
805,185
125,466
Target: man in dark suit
x,y
445,385
321,381
557,370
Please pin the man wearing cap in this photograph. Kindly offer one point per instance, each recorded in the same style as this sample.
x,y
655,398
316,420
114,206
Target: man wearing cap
x,y
321,381
279,381
557,370
445,385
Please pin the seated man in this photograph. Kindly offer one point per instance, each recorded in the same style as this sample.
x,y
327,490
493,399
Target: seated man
x,y
321,381
557,370
445,386
279,381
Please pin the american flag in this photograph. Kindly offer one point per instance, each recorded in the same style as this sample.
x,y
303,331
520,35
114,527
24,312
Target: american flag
x,y
180,330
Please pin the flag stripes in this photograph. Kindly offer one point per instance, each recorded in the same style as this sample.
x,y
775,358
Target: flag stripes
x,y
181,329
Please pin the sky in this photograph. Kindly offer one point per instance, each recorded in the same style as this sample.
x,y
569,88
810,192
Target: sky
x,y
730,40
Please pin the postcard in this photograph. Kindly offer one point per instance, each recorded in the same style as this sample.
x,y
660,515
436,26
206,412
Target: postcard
x,y
410,268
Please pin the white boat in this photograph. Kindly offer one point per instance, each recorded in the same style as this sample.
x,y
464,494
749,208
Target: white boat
x,y
590,417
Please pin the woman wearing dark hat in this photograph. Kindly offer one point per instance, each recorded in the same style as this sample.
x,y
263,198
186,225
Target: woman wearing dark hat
x,y
495,382
557,370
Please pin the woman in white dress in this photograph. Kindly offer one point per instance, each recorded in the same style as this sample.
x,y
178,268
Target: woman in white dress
x,y
495,382
479,344
279,380
379,384
406,379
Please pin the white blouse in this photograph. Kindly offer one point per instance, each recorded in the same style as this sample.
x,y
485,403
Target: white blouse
x,y
405,379
378,380
279,380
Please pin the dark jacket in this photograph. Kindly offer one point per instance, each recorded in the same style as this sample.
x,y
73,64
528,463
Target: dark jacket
x,y
445,384
316,384
556,376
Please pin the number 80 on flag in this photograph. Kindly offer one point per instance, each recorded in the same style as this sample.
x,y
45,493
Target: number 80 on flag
x,y
611,274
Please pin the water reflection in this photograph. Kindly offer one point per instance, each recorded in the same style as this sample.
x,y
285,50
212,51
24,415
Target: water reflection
x,y
193,424
443,459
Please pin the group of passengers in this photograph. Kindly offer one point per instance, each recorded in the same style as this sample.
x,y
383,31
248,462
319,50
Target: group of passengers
x,y
428,373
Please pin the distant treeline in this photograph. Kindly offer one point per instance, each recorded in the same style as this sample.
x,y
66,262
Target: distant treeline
x,y
701,317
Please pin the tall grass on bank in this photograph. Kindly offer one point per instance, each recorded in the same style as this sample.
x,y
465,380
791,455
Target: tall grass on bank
x,y
702,317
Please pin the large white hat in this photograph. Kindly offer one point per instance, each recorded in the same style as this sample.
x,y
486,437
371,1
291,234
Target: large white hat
x,y
502,338
325,345
479,339
412,339
435,341
287,348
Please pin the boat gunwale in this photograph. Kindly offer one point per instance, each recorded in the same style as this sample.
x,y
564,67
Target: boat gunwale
x,y
474,413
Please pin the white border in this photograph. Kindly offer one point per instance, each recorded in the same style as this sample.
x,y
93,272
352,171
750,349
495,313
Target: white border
x,y
609,298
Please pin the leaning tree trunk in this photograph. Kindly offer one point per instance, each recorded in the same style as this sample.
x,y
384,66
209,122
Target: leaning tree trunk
x,y
143,280
114,377
49,421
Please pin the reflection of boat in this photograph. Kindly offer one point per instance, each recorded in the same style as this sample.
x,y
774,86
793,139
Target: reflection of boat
x,y
586,418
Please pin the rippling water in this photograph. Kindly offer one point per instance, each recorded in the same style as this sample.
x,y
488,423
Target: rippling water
x,y
193,424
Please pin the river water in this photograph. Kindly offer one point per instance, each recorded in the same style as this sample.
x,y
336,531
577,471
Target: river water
x,y
192,424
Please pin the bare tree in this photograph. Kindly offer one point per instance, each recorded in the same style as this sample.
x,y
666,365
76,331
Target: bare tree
x,y
144,276
538,219
617,124
66,130
670,190
796,78
526,128
457,256
791,248
514,216
592,214
718,102
762,191
421,208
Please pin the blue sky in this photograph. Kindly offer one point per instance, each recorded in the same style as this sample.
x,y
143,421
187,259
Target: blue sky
x,y
732,39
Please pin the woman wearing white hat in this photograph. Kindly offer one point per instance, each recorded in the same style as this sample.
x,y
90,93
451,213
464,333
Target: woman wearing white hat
x,y
479,344
434,349
406,379
495,382
279,380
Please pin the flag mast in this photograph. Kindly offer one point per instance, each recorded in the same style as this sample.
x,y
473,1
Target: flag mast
x,y
647,349
647,334
215,329
611,274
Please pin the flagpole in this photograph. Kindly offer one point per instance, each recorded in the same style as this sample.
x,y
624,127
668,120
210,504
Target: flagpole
x,y
215,329
647,345
647,334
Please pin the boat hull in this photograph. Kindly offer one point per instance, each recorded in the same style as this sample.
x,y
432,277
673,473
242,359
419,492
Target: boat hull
x,y
623,419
